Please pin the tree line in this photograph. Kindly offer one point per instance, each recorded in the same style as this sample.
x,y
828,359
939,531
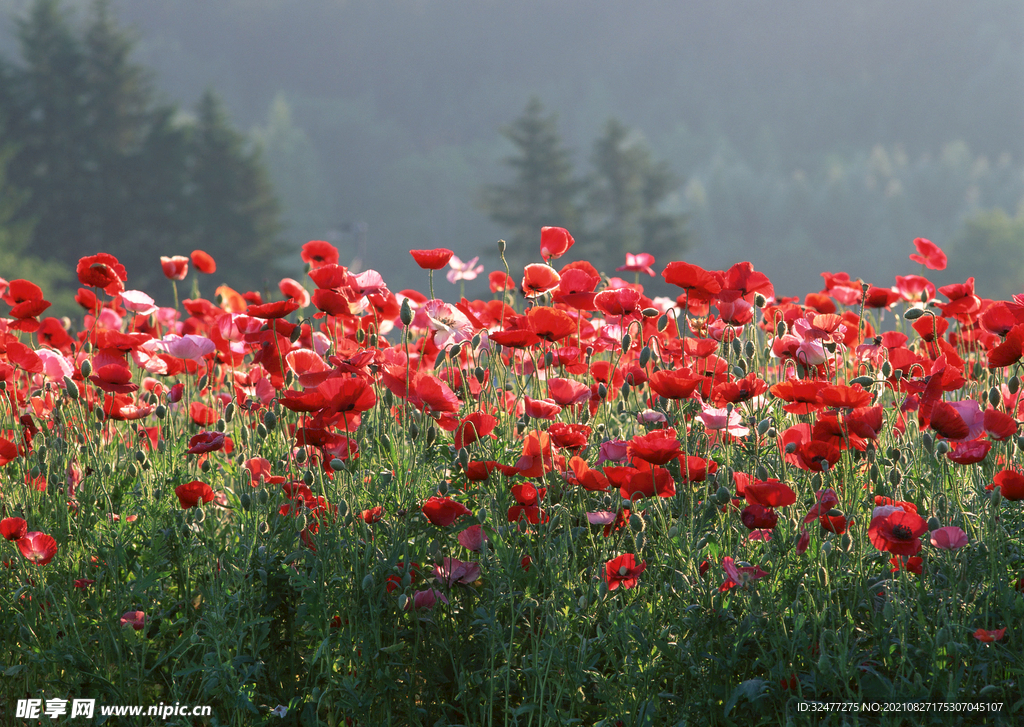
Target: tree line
x,y
93,161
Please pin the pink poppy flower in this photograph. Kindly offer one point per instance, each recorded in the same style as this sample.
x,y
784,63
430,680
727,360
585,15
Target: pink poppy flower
x,y
463,270
739,576
135,619
949,538
452,570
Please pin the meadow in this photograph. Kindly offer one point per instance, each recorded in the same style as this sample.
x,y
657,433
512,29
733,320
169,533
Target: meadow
x,y
568,503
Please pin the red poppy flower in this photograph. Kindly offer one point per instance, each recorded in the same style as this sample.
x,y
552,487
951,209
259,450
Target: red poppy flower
x,y
554,242
676,383
206,442
545,409
13,528
969,452
566,392
319,253
499,281
1009,351
770,493
929,254
528,508
569,436
658,447
589,479
432,259
898,532
1010,484
987,637
204,262
840,396
278,309
175,268
538,279
758,517
473,427
947,422
372,515
192,493
914,564
38,548
698,282
201,414
550,324
623,571
442,511
618,301
102,271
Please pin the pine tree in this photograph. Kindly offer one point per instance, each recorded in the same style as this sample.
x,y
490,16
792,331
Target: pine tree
x,y
230,203
626,198
545,191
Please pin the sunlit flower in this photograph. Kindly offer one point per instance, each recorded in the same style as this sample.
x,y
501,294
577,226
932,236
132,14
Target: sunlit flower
x,y
463,271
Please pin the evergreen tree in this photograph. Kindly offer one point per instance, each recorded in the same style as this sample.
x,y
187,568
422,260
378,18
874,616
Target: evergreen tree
x,y
230,204
626,197
544,192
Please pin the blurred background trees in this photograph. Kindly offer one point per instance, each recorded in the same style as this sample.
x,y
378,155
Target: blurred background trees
x,y
101,165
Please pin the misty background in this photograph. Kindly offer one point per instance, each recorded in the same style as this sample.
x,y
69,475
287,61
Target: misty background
x,y
807,136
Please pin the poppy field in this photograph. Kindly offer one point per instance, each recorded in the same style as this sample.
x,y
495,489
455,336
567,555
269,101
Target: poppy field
x,y
567,503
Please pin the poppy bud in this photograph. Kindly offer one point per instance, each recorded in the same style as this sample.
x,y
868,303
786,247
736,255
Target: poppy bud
x,y
337,465
737,347
895,477
295,334
548,359
887,369
627,341
71,388
645,356
431,435
501,247
86,369
602,391
625,388
997,497
760,301
367,584
864,381
203,381
740,369
662,324
722,495
1013,385
454,351
649,312
748,349
941,447
928,442
762,428
480,374
780,329
270,420
245,500
406,313
913,314
414,430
